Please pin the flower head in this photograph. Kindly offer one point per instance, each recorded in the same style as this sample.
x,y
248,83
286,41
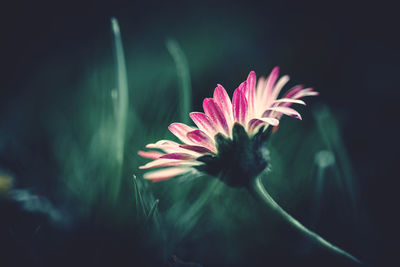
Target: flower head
x,y
229,141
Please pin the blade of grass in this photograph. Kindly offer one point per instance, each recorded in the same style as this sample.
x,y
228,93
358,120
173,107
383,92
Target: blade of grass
x,y
122,91
182,70
121,103
152,210
329,129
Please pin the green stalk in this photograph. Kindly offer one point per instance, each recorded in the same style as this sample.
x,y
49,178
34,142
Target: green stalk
x,y
257,189
121,105
121,108
182,70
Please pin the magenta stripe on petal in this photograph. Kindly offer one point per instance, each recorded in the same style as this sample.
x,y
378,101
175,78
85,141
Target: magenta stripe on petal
x,y
150,154
180,130
251,90
224,102
293,91
200,138
271,80
165,174
239,106
213,111
255,124
180,156
264,96
284,110
243,87
198,149
204,123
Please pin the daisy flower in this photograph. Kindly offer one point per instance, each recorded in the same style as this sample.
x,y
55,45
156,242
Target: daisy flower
x,y
228,141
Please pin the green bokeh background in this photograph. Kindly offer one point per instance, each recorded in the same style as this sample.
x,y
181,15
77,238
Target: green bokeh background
x,y
59,133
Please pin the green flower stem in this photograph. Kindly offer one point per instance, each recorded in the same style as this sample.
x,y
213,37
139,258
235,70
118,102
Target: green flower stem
x,y
257,189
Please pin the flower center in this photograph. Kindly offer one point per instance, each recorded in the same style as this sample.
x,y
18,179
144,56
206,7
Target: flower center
x,y
239,159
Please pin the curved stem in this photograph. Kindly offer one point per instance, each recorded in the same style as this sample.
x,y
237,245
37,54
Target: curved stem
x,y
258,190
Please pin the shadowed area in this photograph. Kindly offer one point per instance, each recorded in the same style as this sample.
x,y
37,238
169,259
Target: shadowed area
x,y
89,84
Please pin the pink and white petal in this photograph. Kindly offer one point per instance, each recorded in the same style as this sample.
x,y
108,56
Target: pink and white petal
x,y
272,121
222,99
277,89
180,130
239,106
165,145
243,87
170,147
150,154
198,149
283,101
165,174
167,142
255,124
179,155
305,92
258,108
200,138
294,90
168,163
284,110
270,85
165,148
213,111
251,92
204,123
262,82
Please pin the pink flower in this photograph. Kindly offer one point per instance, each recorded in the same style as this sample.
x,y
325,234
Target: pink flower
x,y
230,135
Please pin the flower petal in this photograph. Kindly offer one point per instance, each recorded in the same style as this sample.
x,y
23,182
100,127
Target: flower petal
x,y
282,101
150,154
180,130
239,106
293,91
224,102
272,121
305,92
270,85
255,124
169,163
164,174
180,156
204,123
198,149
277,89
284,110
200,138
171,147
251,91
260,86
213,111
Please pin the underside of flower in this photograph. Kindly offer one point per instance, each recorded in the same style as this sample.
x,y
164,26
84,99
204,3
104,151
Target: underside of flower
x,y
229,141
239,159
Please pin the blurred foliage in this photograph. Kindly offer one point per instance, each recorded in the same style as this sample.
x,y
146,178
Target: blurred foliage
x,y
94,138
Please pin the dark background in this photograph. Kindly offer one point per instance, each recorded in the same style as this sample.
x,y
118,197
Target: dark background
x,y
348,51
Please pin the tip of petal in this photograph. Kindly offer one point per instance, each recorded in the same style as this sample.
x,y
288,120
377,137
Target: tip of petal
x,y
276,69
297,116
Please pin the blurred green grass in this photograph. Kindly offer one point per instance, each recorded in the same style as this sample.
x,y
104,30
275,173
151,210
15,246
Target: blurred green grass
x,y
95,138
